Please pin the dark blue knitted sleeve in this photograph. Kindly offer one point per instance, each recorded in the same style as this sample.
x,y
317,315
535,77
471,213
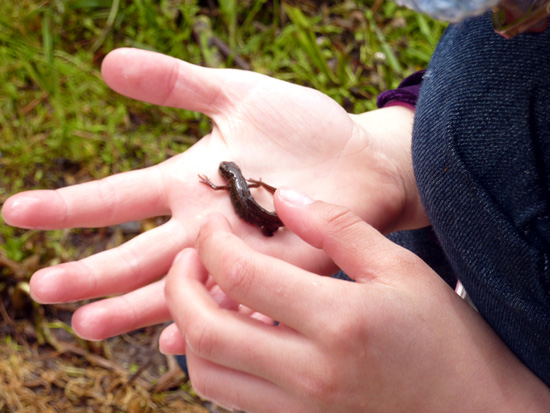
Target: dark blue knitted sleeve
x,y
481,154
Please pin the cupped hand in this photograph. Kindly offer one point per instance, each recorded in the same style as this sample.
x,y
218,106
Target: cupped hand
x,y
276,131
397,340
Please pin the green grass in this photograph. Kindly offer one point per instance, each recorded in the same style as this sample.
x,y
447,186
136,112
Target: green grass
x,y
60,124
54,106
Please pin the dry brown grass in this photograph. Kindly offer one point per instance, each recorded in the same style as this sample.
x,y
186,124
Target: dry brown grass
x,y
75,379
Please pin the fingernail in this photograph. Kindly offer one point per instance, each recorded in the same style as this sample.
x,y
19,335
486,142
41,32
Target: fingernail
x,y
45,285
294,197
18,207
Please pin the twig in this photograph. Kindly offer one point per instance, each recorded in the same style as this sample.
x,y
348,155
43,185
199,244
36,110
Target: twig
x,y
227,52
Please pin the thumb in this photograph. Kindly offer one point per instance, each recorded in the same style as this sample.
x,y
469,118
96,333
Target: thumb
x,y
163,80
357,248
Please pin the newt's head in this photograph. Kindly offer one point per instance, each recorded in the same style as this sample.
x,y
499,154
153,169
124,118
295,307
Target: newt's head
x,y
229,170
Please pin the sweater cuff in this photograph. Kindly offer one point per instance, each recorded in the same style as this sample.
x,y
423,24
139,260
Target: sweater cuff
x,y
406,93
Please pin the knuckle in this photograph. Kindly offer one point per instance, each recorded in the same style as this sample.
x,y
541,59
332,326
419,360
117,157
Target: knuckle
x,y
340,335
323,386
347,329
410,260
233,267
340,219
108,194
239,276
201,338
400,261
131,259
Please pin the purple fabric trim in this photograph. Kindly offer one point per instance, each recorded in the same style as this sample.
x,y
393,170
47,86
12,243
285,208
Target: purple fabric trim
x,y
407,91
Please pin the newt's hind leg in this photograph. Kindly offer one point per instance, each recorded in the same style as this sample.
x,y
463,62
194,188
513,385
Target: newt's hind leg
x,y
259,182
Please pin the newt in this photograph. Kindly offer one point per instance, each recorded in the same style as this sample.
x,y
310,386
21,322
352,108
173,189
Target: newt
x,y
243,202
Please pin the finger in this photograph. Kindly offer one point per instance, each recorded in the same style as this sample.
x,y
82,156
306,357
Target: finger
x,y
114,316
119,198
357,248
134,264
266,284
171,341
167,81
226,337
236,390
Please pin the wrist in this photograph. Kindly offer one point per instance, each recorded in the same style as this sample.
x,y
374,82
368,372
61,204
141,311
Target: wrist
x,y
390,130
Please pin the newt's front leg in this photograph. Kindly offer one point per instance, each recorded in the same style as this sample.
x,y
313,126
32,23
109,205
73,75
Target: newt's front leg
x,y
204,180
253,184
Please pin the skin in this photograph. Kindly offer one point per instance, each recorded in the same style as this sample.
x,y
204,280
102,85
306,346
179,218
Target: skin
x,y
396,340
325,152
352,335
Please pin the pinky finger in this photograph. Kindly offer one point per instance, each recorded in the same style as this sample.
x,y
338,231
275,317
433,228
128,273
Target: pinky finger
x,y
236,390
171,341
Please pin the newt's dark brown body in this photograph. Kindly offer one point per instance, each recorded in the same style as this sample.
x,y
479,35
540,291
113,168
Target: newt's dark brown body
x,y
244,204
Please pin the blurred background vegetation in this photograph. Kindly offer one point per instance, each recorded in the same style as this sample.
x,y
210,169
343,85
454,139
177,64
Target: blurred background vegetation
x,y
61,125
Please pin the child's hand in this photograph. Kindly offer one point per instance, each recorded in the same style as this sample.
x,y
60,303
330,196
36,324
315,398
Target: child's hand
x,y
398,339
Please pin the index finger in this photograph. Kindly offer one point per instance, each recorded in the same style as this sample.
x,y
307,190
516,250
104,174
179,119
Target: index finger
x,y
265,284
